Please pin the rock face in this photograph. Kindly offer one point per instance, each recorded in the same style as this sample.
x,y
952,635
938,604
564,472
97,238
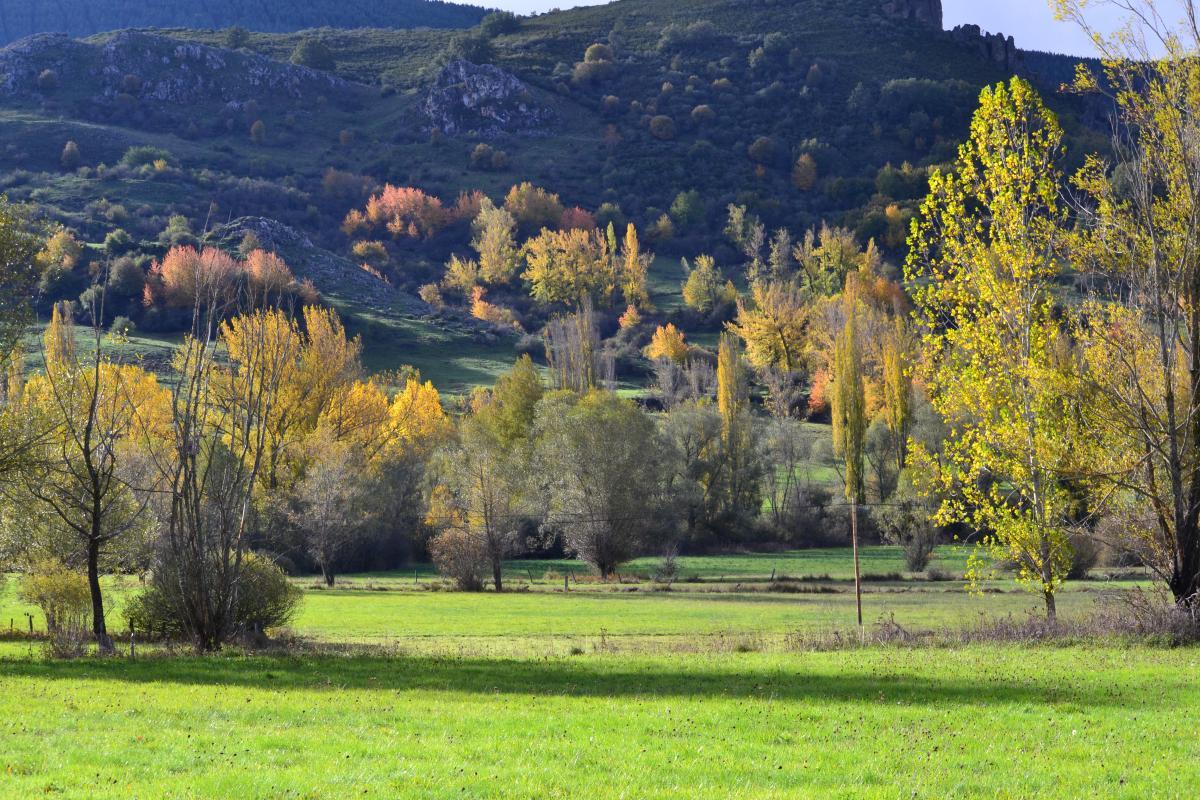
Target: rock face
x,y
153,70
995,47
928,12
484,99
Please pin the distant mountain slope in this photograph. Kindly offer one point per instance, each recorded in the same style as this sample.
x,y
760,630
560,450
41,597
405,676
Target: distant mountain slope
x,y
19,18
660,112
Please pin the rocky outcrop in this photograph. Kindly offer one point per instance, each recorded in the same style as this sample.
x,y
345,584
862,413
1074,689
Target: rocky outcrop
x,y
486,100
995,47
928,12
157,70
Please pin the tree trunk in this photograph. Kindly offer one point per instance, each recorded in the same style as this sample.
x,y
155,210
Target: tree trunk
x,y
328,575
497,577
99,628
1051,608
857,574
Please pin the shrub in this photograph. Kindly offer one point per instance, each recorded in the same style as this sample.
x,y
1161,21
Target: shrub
x,y
762,150
71,159
1085,556
474,47
461,557
258,132
118,242
675,36
122,326
662,127
60,593
313,53
688,208
145,155
804,173
905,521
500,22
432,296
597,53
610,214
487,158
265,599
236,38
47,81
592,71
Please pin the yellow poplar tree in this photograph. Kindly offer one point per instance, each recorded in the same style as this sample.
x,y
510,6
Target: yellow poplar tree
x,y
850,423
668,343
775,326
985,253
633,270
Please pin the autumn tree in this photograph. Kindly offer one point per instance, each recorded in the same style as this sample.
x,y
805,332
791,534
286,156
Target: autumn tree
x,y
985,254
850,425
703,289
533,207
573,350
742,497
898,360
668,342
485,484
634,264
217,442
86,474
71,158
826,258
805,173
1142,337
779,256
20,434
569,267
495,244
512,403
749,235
330,504
775,325
403,211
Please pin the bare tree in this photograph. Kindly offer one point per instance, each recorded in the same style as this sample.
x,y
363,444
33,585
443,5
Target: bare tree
x,y
219,440
485,494
599,458
329,504
573,349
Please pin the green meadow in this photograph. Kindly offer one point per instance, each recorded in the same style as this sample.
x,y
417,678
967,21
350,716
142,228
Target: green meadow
x,y
982,721
728,684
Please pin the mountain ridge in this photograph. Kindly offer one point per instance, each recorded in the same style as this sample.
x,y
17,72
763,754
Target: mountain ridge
x,y
20,18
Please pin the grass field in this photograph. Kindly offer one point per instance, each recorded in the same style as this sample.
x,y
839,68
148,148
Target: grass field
x,y
978,722
613,691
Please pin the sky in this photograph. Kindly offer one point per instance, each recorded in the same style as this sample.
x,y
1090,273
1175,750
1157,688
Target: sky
x,y
1029,21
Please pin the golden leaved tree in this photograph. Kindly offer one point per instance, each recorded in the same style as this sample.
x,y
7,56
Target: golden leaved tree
x,y
1140,236
985,253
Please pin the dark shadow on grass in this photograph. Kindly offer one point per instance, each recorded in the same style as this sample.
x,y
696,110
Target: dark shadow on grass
x,y
576,678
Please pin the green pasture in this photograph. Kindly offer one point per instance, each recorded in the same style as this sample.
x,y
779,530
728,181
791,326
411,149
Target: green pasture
x,y
982,721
